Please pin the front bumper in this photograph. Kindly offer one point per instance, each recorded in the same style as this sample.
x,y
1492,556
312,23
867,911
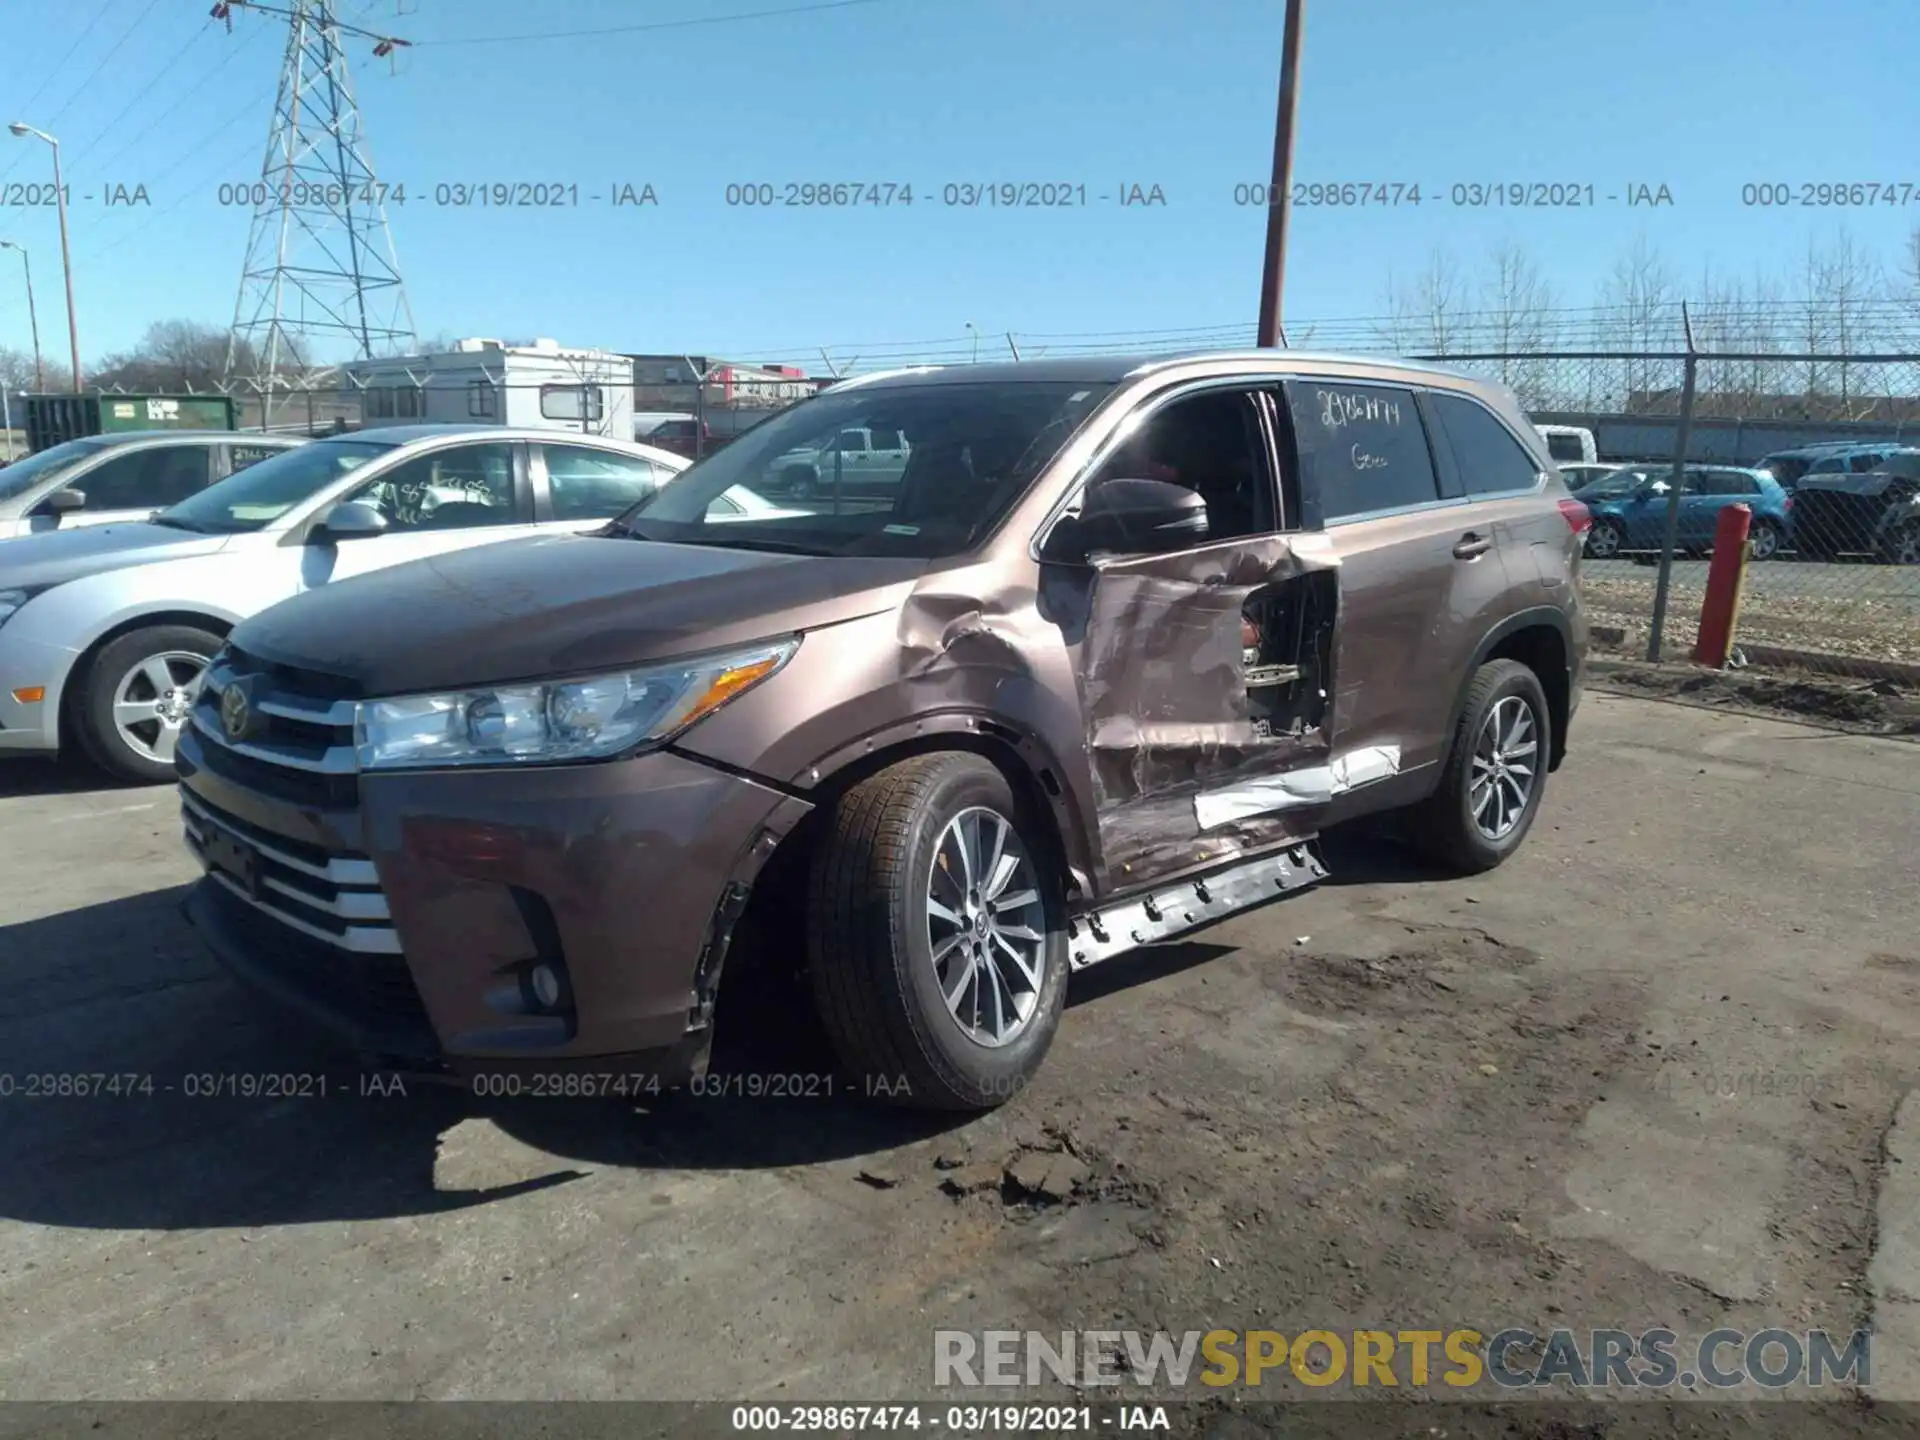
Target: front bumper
x,y
33,726
406,923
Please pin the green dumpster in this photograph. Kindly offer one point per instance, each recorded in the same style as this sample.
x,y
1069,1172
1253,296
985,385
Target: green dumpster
x,y
52,419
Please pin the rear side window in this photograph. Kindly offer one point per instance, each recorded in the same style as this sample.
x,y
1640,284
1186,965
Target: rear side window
x,y
1565,447
149,479
1489,458
1362,447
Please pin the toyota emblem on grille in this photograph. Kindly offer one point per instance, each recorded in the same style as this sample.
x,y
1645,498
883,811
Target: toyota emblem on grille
x,y
236,715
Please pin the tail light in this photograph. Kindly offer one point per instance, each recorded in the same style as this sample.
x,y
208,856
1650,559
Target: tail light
x,y
1579,518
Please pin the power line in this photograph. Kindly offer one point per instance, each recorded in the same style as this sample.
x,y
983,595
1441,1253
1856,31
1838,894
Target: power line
x,y
164,71
47,79
81,88
187,93
650,25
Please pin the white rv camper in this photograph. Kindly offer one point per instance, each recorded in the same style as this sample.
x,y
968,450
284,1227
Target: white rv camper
x,y
542,384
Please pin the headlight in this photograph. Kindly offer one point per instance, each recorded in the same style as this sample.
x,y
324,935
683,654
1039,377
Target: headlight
x,y
583,719
10,601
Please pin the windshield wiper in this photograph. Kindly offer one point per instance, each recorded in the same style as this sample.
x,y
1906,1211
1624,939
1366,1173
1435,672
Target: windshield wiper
x,y
772,547
176,524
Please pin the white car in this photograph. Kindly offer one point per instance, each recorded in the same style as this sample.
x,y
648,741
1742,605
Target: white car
x,y
105,631
100,479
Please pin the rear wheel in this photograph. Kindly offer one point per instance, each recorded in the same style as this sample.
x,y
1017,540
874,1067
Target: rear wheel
x,y
800,483
1763,540
936,936
1495,775
134,699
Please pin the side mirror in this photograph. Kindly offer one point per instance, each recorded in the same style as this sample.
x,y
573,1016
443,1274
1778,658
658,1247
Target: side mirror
x,y
349,520
1132,517
62,502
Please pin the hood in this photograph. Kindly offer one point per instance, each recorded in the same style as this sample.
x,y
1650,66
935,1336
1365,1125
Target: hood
x,y
558,605
53,557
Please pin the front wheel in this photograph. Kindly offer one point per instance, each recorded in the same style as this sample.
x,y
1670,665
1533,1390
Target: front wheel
x,y
936,936
1495,774
1903,546
134,699
1605,541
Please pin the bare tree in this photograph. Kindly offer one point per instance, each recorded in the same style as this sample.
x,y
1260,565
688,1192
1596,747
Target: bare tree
x,y
1427,316
173,356
1518,307
17,373
1639,312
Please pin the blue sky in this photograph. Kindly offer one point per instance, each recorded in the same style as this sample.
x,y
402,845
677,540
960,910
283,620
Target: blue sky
x,y
1701,97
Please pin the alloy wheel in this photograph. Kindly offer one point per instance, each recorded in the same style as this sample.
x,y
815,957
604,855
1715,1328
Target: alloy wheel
x,y
1505,768
1603,541
986,927
151,702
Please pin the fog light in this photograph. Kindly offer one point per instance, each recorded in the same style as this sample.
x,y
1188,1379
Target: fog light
x,y
545,985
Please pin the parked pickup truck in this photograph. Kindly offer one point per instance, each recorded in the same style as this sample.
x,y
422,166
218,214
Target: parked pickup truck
x,y
1125,636
857,462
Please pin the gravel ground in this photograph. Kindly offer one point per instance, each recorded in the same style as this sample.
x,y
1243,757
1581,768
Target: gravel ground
x,y
1644,1074
1871,611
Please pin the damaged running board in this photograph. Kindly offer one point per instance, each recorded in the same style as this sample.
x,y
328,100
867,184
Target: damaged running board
x,y
1188,904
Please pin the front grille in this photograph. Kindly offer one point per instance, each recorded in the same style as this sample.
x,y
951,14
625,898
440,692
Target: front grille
x,y
334,899
298,744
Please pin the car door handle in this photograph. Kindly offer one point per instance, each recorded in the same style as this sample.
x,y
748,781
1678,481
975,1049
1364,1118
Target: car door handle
x,y
1471,545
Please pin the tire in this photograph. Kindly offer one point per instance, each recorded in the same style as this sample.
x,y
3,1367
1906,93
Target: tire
x,y
1605,540
1763,541
800,483
1903,545
130,668
871,936
1444,825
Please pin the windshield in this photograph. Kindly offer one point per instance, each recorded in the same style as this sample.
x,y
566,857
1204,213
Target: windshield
x,y
23,475
922,471
260,494
1614,483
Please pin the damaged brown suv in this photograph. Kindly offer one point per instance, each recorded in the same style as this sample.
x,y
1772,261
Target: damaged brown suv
x,y
1120,639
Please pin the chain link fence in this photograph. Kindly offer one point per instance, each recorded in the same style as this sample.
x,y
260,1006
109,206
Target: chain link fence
x,y
1824,450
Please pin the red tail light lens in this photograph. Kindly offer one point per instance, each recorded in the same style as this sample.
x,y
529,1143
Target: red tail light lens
x,y
1579,518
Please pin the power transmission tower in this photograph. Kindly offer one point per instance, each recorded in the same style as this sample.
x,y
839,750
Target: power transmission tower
x,y
321,281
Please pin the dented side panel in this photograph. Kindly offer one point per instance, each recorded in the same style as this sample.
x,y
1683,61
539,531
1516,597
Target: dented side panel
x,y
1164,665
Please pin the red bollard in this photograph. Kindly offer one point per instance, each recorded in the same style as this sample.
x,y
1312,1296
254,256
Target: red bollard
x,y
1725,578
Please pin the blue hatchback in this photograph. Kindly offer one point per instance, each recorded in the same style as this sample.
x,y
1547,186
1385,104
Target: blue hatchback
x,y
1630,510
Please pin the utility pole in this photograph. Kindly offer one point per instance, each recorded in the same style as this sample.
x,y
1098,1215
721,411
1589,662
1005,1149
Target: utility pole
x,y
33,317
320,273
1280,194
